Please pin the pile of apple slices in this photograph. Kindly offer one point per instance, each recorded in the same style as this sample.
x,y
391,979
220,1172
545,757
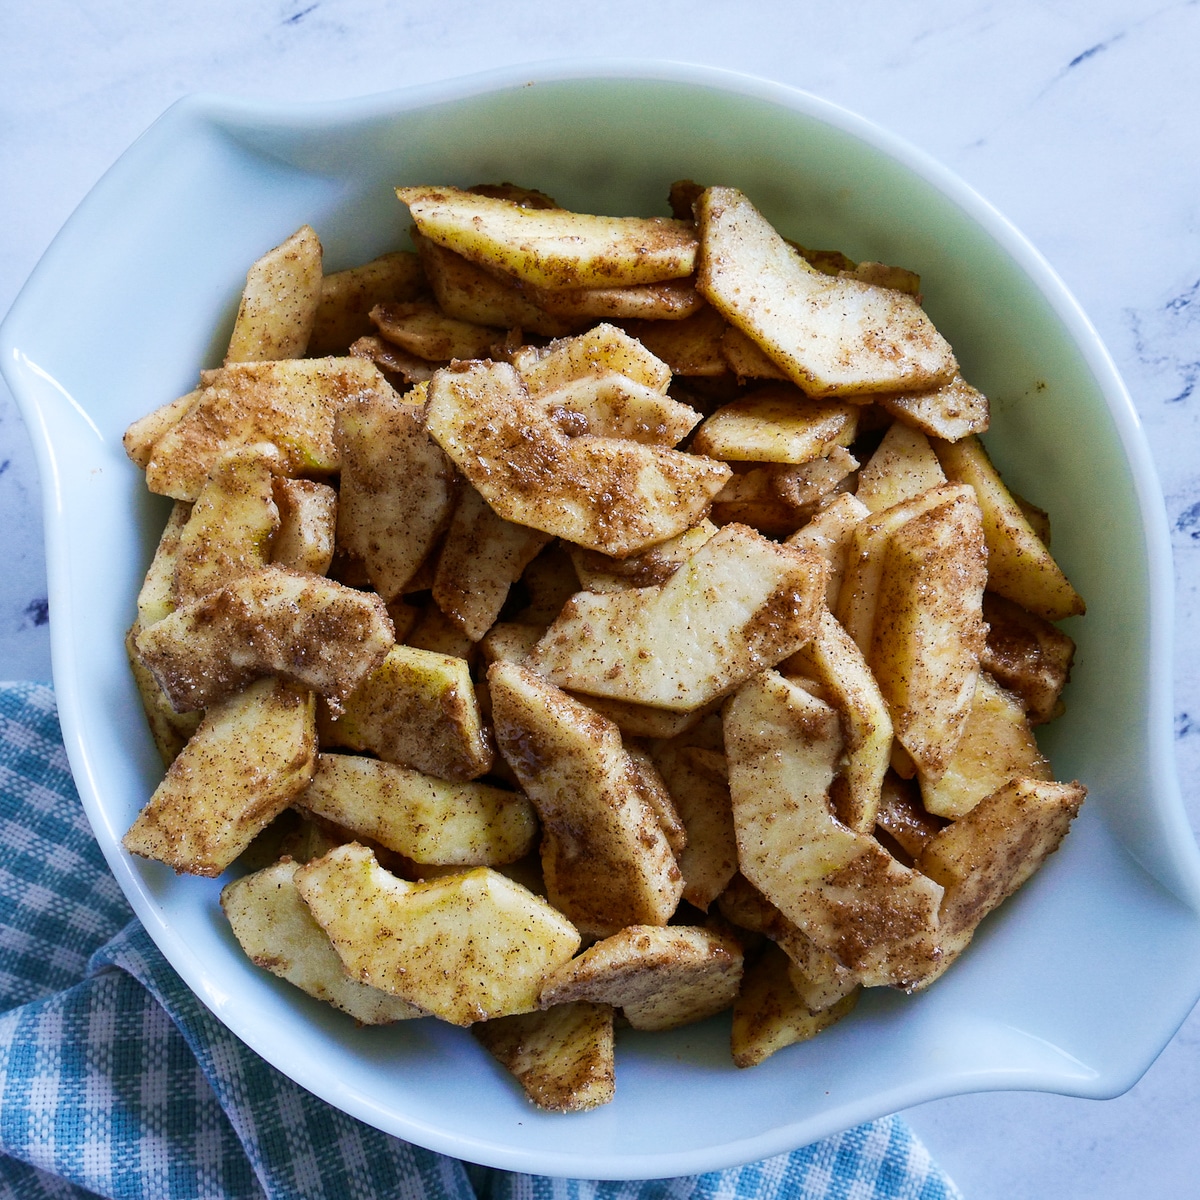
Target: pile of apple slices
x,y
592,619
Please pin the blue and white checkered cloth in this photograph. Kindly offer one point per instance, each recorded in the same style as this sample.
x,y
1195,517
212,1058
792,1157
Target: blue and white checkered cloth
x,y
116,1081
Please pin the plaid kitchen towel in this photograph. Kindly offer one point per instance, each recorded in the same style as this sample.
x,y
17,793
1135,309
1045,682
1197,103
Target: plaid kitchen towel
x,y
116,1081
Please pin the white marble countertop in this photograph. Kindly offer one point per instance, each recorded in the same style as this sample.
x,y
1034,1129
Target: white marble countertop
x,y
1076,118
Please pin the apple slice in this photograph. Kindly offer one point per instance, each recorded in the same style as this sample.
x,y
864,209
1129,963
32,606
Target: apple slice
x,y
600,350
839,666
482,556
903,466
661,978
709,858
770,1014
928,630
1020,567
833,336
607,860
417,708
600,573
276,930
858,598
471,293
951,411
156,596
609,494
141,436
232,523
983,858
776,424
467,947
279,302
552,248
671,300
428,820
269,622
739,604
563,1057
1027,655
348,296
251,754
997,745
305,538
291,403
424,330
829,535
169,729
613,405
876,916
691,347
397,489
